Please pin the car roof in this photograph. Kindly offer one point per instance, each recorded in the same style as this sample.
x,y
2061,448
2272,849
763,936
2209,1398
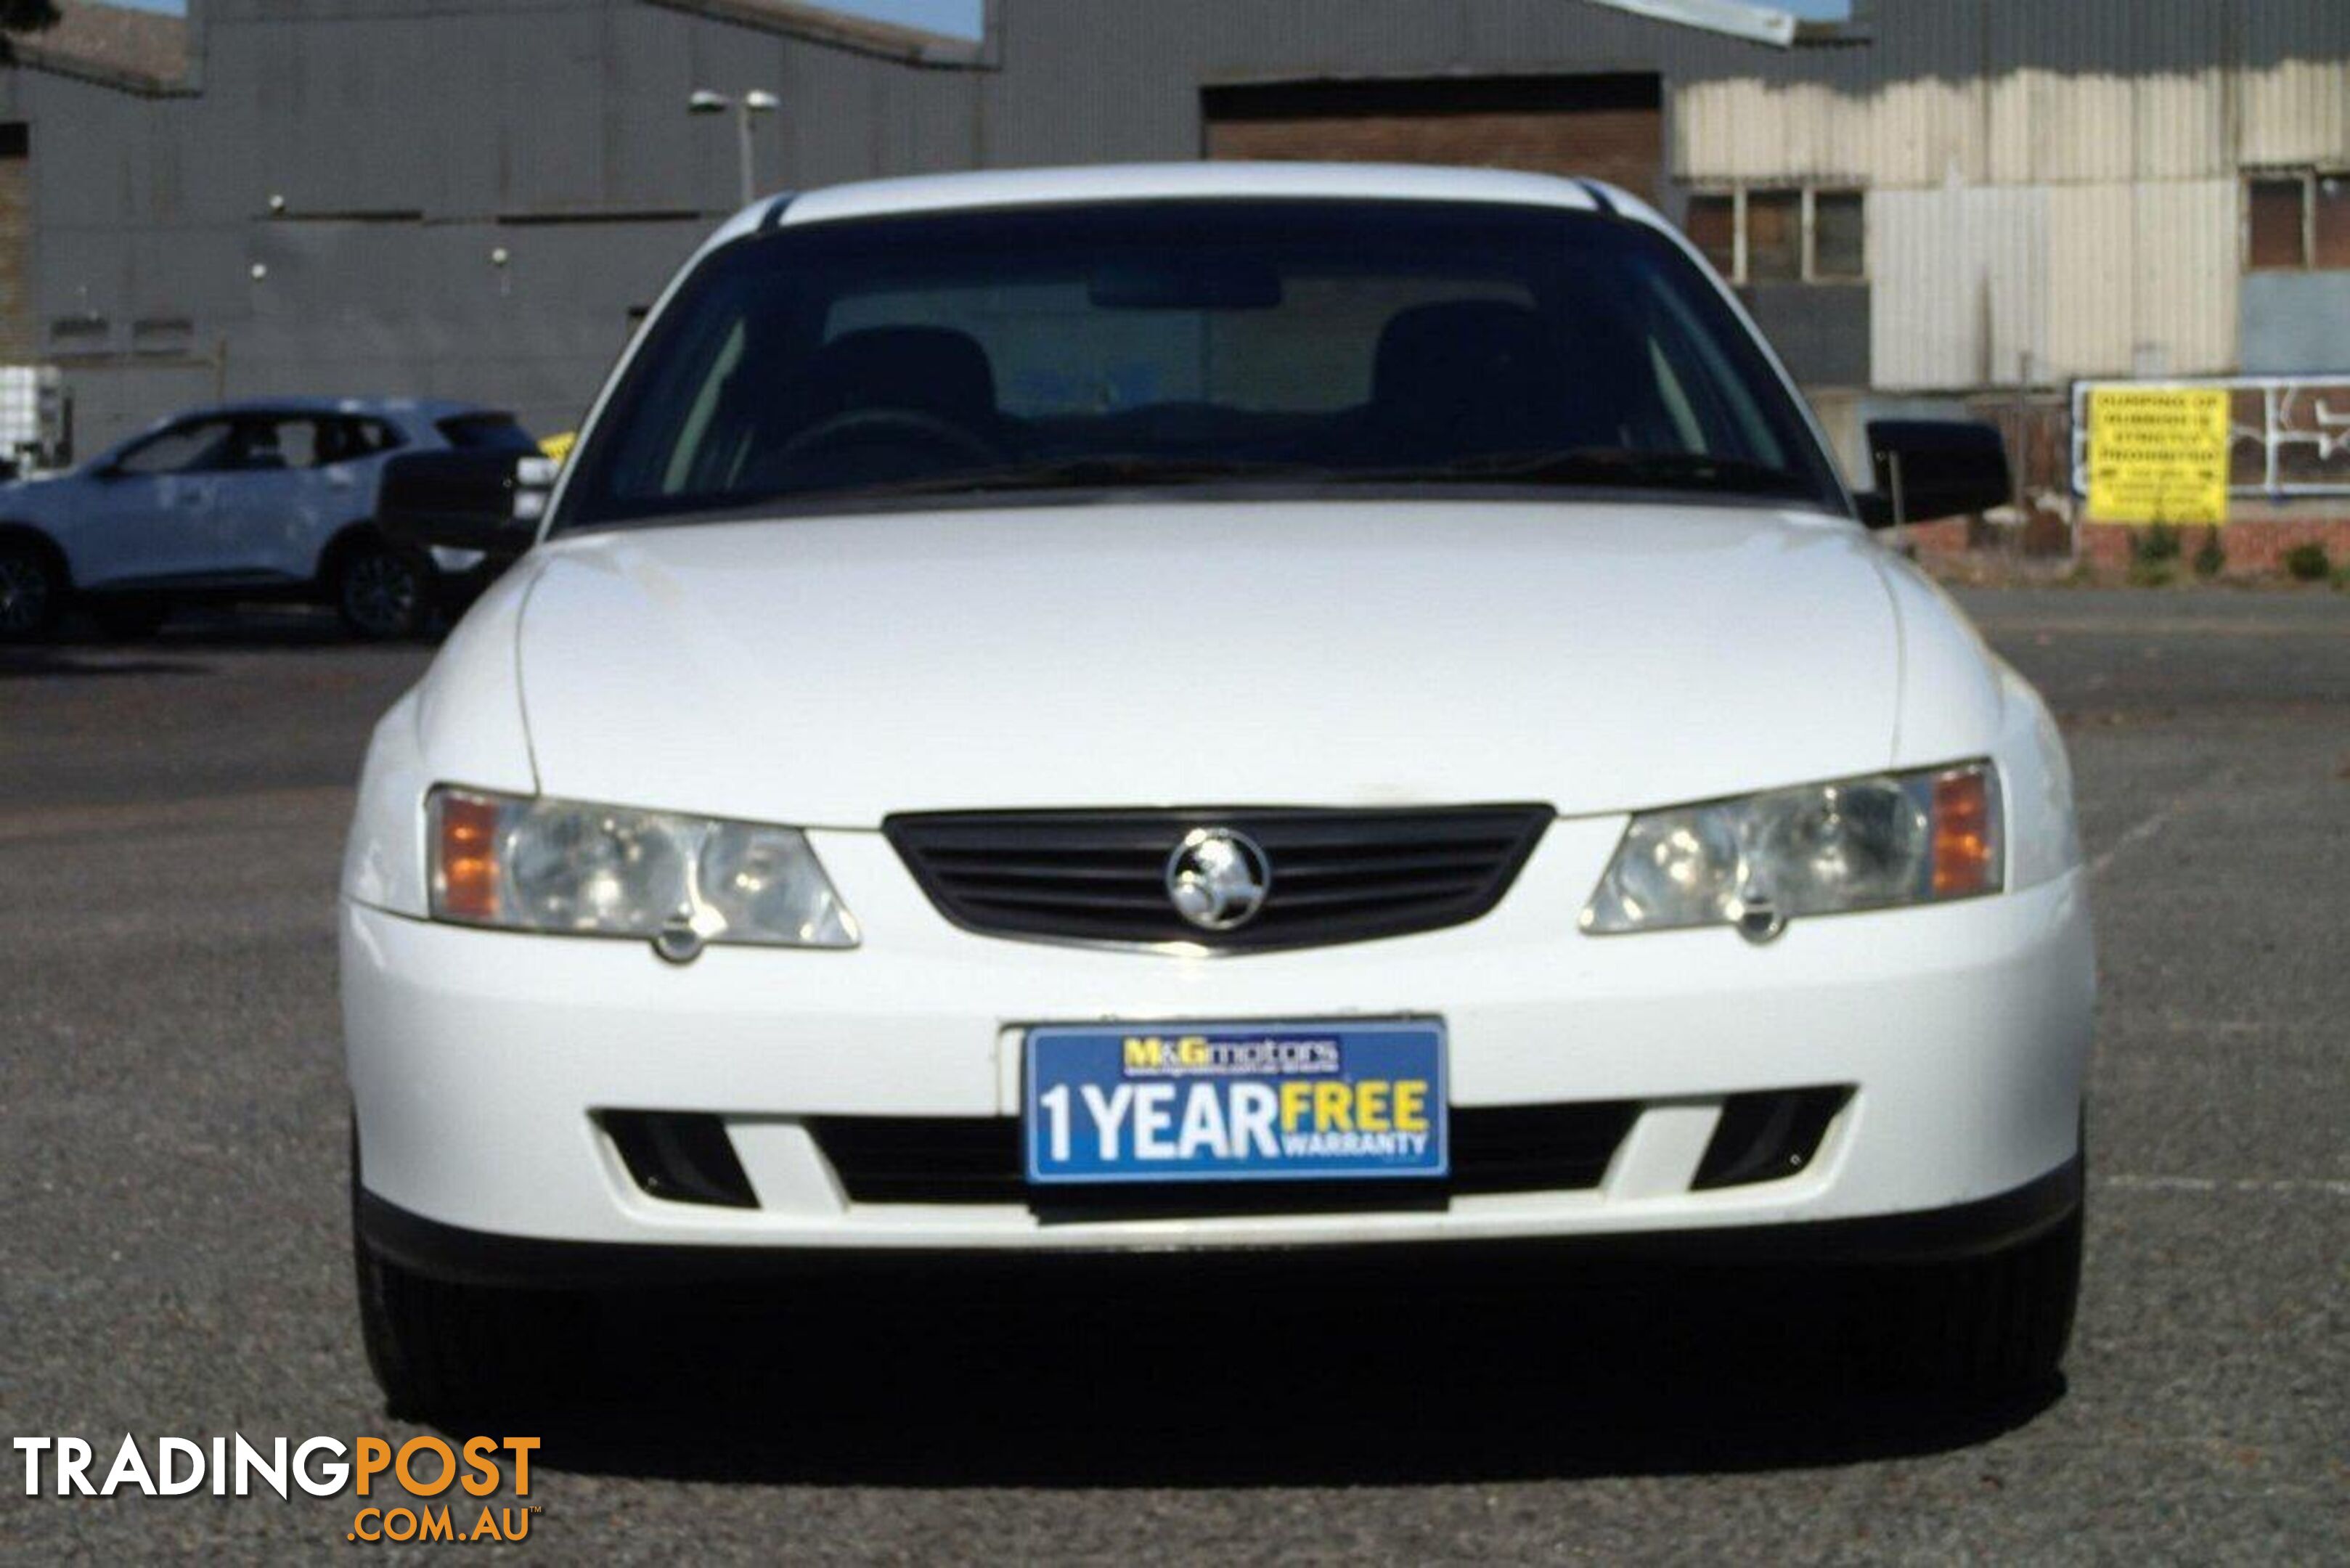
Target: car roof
x,y
1209,181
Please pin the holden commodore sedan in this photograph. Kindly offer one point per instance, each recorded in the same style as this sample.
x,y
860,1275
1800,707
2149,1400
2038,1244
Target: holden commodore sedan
x,y
1247,709
274,499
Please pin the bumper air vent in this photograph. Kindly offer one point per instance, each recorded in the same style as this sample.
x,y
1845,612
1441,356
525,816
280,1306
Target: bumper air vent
x,y
679,1157
1767,1137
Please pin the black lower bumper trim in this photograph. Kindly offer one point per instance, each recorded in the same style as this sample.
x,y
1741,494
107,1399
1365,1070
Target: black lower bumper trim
x,y
1987,1225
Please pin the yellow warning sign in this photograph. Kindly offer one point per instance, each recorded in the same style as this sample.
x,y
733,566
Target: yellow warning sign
x,y
2158,454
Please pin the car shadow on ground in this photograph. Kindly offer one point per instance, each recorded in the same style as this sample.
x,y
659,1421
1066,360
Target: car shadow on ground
x,y
1216,1383
50,662
80,649
250,627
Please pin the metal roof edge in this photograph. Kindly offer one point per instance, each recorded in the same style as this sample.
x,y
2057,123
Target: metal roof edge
x,y
818,24
1756,24
30,56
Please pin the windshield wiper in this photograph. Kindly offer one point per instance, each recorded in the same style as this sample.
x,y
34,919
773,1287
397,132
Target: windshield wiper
x,y
1598,467
1624,467
1106,471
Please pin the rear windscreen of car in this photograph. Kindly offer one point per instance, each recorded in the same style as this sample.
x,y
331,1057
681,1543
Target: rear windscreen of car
x,y
485,433
1175,342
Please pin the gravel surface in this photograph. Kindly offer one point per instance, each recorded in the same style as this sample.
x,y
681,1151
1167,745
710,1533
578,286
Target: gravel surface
x,y
174,1258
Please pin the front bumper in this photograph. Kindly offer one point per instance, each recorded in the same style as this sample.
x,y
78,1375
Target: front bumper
x,y
479,1061
1967,1230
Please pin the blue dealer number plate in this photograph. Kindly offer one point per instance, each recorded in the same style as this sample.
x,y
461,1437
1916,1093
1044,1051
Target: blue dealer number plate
x,y
1235,1103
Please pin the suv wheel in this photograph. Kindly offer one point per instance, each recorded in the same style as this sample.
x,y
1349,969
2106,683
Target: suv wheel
x,y
439,1349
382,594
29,592
129,619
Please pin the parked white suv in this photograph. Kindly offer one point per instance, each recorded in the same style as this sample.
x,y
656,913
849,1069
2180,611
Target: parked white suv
x,y
1211,707
275,499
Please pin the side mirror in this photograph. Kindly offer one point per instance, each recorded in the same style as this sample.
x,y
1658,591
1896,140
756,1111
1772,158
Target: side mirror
x,y
1926,468
486,501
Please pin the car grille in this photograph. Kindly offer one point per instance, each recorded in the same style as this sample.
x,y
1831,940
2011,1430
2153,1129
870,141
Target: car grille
x,y
1101,876
978,1159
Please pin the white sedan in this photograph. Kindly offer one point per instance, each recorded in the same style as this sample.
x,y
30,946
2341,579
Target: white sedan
x,y
1166,709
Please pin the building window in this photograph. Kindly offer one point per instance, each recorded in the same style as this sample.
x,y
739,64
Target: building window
x,y
80,334
1774,236
2296,222
2329,220
1712,225
1781,235
1839,238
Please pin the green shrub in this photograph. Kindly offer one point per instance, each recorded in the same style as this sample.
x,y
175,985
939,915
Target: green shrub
x,y
2145,574
2211,556
2307,563
2153,542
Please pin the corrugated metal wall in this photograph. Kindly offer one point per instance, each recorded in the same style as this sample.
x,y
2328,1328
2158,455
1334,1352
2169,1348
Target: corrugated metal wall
x,y
2092,287
2296,94
2031,126
2035,92
2187,250
2062,182
1960,284
2109,279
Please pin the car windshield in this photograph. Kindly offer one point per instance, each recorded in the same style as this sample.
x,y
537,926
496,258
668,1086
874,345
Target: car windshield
x,y
485,433
1331,345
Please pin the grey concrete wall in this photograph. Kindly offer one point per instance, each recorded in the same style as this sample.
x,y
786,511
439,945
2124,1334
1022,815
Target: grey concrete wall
x,y
2296,323
408,138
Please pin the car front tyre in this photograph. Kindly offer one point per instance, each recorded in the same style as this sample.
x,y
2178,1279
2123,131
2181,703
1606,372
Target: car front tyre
x,y
383,593
30,593
1981,1328
441,1350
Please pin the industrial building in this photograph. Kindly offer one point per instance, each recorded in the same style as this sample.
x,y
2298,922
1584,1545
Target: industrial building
x,y
1978,200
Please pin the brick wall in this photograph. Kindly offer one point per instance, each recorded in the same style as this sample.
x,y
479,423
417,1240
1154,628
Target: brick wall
x,y
2256,546
1607,126
18,341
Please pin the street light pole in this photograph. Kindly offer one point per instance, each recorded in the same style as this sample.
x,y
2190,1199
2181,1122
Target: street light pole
x,y
757,101
748,151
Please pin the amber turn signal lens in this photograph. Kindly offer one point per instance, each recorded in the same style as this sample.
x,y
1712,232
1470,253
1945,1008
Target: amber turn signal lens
x,y
466,885
1966,837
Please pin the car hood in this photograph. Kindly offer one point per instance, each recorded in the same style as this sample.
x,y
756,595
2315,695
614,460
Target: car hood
x,y
829,672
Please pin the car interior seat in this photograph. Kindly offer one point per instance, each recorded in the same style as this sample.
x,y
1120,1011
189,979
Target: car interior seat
x,y
1467,377
933,372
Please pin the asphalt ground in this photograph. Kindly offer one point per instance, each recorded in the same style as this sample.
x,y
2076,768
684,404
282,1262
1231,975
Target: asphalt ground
x,y
173,1256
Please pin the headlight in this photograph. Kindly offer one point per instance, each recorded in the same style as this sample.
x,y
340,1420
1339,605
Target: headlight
x,y
1820,849
538,865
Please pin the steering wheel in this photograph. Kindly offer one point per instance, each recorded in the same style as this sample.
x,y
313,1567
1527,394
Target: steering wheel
x,y
911,426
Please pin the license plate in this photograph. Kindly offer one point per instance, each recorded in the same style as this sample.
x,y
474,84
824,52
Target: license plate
x,y
1235,1103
